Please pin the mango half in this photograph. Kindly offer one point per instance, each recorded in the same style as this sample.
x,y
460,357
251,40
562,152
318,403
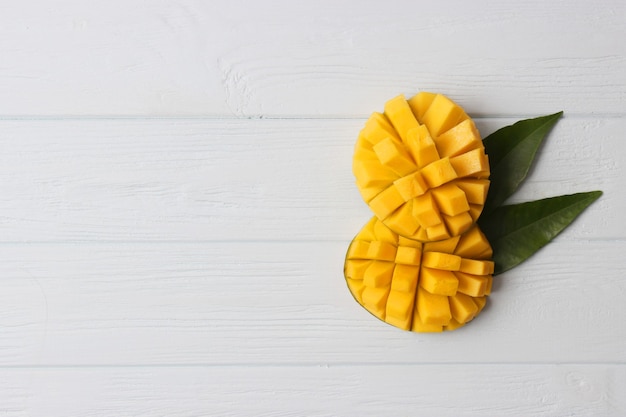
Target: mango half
x,y
422,168
422,287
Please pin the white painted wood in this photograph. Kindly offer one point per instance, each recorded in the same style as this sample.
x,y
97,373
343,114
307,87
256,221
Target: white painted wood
x,y
237,58
433,390
162,254
287,303
138,180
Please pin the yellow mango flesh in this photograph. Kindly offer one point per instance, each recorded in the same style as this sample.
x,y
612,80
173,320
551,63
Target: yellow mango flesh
x,y
422,168
421,287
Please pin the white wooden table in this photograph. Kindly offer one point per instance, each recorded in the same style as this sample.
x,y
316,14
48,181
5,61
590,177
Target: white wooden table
x,y
176,199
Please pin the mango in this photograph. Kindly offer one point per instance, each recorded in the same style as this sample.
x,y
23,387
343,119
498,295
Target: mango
x,y
416,286
421,167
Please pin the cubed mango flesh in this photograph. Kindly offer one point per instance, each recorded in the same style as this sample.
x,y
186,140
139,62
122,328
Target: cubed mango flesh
x,y
378,128
399,113
433,308
420,102
422,287
437,281
462,138
426,154
392,154
442,115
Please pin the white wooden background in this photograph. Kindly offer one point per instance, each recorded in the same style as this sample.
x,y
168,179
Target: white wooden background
x,y
176,199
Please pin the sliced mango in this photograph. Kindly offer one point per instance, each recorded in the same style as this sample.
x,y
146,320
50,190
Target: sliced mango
x,y
386,202
378,128
433,308
381,250
421,287
426,154
472,285
437,281
411,186
399,113
442,115
462,138
419,326
443,261
463,308
456,224
451,200
392,154
426,211
408,256
405,278
402,222
421,146
420,103
378,275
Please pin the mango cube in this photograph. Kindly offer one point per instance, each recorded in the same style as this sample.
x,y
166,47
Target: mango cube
x,y
399,113
356,269
400,306
451,200
419,326
375,299
433,308
411,186
359,249
437,281
392,154
472,163
386,202
421,146
472,285
439,172
378,274
426,211
445,246
443,261
408,255
442,115
457,224
420,103
476,267
475,189
402,221
463,308
380,250
405,278
471,243
422,287
437,232
378,128
460,139
371,173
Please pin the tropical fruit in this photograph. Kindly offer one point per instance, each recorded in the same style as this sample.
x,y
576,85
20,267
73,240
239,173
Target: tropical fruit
x,y
422,168
423,287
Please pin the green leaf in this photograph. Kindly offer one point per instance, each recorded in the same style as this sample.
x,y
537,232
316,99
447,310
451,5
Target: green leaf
x,y
511,151
518,231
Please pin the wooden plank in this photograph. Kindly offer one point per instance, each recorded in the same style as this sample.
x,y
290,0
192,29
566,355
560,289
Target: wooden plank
x,y
173,180
322,58
287,303
433,390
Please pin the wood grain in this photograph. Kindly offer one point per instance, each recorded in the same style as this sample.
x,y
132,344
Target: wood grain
x,y
176,200
287,303
200,180
433,390
324,58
